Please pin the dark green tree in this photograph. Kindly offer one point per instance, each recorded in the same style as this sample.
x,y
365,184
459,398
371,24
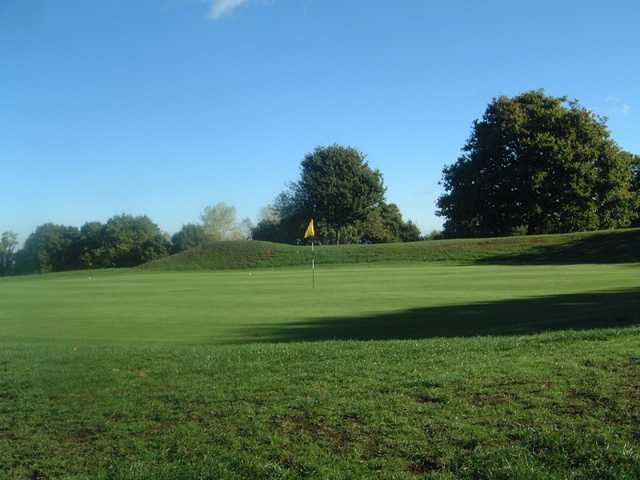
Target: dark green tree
x,y
337,187
132,240
283,221
50,248
379,226
385,224
8,244
91,246
189,236
409,232
539,164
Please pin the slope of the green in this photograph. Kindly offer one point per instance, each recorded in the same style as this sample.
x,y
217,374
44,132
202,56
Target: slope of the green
x,y
592,247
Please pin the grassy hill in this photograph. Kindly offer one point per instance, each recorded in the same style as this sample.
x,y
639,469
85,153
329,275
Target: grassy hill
x,y
592,247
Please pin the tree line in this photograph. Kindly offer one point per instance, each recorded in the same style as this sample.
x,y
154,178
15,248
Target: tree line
x,y
123,241
337,188
533,164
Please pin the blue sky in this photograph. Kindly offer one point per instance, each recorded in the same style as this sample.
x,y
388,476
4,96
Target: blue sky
x,y
163,107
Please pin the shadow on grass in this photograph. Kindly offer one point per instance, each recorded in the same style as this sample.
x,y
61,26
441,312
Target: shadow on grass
x,y
620,246
611,309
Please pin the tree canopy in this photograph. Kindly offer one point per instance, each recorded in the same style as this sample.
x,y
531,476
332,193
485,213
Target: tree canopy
x,y
50,248
537,164
337,187
345,196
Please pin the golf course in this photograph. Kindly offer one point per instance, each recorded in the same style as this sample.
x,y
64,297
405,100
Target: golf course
x,y
493,358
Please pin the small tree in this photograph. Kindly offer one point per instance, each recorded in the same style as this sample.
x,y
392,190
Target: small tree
x,y
219,222
8,244
189,236
245,227
409,232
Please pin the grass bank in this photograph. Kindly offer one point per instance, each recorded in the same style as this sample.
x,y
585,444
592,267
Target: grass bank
x,y
592,247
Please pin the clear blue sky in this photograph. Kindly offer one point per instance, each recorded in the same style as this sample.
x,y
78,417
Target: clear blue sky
x,y
163,107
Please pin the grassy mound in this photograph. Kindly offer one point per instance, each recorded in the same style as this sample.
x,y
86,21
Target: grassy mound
x,y
593,247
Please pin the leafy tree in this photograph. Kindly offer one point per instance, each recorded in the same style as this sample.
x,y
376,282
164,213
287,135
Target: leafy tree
x,y
8,244
409,232
537,163
219,222
385,224
129,240
91,246
345,197
375,228
189,236
245,227
50,248
434,235
337,187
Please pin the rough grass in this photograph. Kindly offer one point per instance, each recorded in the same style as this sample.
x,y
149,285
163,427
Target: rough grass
x,y
592,247
561,405
124,375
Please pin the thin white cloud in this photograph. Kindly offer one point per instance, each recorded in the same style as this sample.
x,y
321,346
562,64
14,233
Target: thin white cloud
x,y
618,105
219,8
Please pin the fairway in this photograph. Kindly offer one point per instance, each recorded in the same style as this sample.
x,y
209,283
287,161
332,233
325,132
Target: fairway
x,y
349,302
382,371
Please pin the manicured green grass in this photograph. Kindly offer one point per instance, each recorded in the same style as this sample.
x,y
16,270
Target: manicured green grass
x,y
590,247
476,371
350,302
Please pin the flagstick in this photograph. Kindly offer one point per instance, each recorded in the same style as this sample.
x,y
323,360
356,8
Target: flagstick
x,y
313,265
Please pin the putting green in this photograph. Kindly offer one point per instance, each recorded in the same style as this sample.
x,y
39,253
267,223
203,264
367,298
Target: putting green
x,y
349,302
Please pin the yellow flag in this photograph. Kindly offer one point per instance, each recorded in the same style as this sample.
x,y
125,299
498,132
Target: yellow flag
x,y
310,232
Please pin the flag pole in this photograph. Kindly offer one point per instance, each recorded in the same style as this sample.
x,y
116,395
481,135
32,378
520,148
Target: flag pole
x,y
310,232
313,265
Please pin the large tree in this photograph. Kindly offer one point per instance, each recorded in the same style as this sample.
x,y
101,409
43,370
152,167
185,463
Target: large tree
x,y
538,164
8,244
337,187
129,240
344,195
50,248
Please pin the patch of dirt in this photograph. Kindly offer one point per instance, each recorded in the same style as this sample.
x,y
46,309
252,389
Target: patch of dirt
x,y
427,397
425,464
338,439
486,399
